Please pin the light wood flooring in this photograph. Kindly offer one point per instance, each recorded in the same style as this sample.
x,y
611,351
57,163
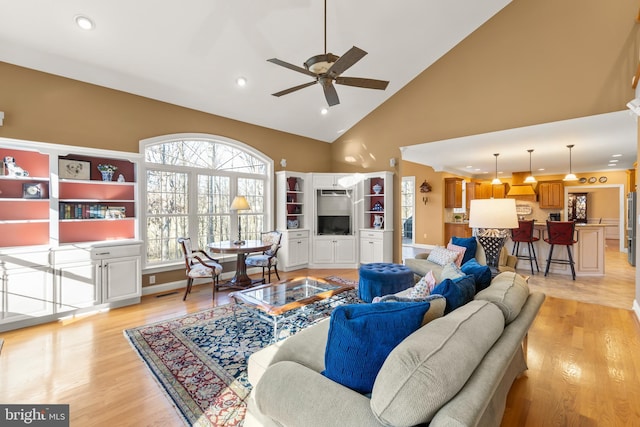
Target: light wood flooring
x,y
584,357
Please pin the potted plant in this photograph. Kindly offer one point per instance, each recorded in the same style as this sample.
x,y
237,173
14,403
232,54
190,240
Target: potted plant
x,y
457,218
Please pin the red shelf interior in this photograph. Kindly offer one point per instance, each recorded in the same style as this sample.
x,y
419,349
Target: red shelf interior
x,y
36,164
37,209
94,230
125,167
14,188
105,192
27,234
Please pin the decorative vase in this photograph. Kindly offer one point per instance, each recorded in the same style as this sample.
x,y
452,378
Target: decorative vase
x,y
107,175
292,223
377,188
378,221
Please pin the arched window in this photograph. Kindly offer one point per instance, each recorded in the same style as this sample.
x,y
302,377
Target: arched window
x,y
188,184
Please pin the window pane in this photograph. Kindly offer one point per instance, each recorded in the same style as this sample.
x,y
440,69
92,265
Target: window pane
x,y
162,237
214,228
167,192
214,194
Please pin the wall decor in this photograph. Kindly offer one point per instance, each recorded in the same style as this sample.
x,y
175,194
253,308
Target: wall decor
x,y
592,180
32,191
603,179
74,169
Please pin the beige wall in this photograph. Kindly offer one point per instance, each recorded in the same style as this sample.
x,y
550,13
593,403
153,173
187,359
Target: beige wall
x,y
43,107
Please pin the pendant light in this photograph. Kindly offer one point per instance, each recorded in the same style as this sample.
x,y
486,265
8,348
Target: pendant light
x,y
496,181
530,179
570,176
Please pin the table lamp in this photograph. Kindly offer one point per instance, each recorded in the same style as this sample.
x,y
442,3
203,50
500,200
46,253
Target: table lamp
x,y
493,218
239,203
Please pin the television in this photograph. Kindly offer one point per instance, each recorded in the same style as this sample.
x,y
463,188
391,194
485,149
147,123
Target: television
x,y
334,225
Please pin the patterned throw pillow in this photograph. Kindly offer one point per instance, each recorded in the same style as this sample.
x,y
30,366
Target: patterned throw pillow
x,y
460,249
424,286
442,256
451,271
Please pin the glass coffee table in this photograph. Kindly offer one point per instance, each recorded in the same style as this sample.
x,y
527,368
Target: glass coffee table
x,y
283,300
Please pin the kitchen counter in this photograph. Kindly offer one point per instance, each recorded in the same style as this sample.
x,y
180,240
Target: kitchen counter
x,y
588,252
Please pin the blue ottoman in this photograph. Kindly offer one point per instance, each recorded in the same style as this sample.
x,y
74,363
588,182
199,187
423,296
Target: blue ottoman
x,y
381,278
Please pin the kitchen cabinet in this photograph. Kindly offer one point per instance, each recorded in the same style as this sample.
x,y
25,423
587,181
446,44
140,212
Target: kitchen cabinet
x,y
75,281
473,191
453,192
500,191
294,251
551,194
332,180
456,229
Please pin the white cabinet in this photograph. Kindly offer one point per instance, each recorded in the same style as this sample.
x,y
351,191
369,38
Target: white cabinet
x,y
333,180
294,253
75,282
338,251
376,246
26,288
118,272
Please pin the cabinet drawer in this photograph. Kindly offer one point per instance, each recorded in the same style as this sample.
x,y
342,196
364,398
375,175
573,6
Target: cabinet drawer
x,y
370,235
302,234
102,252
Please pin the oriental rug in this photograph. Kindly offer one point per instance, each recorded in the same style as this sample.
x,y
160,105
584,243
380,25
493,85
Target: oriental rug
x,y
200,359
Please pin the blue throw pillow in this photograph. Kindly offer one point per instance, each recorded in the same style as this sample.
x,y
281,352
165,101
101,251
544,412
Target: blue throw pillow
x,y
482,273
468,242
361,336
457,292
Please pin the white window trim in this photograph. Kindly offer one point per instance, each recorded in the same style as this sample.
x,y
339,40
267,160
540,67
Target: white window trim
x,y
142,174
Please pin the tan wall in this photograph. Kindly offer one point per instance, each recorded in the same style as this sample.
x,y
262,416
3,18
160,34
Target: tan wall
x,y
47,108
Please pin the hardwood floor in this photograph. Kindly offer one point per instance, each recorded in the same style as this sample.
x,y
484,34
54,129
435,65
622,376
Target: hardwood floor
x,y
584,359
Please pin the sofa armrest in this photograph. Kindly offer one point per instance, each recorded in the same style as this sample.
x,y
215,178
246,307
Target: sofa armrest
x,y
423,255
294,395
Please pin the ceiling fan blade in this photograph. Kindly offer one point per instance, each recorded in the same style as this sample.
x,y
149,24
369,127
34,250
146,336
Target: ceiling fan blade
x,y
292,67
293,89
330,94
360,82
352,56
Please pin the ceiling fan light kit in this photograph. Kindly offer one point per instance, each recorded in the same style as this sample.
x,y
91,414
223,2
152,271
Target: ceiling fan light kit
x,y
327,68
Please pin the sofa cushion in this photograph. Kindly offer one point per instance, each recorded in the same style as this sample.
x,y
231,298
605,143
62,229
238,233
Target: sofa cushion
x,y
442,256
457,292
482,273
432,365
508,291
468,242
362,335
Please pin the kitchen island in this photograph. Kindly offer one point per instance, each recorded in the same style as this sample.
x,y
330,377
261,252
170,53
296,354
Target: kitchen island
x,y
588,252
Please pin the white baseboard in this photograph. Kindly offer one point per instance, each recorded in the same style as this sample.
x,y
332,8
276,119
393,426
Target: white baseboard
x,y
636,309
181,284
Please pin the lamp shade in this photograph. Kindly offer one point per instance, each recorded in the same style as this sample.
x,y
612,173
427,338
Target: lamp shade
x,y
493,213
239,203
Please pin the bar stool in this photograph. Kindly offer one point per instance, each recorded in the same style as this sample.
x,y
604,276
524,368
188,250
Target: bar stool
x,y
524,234
561,233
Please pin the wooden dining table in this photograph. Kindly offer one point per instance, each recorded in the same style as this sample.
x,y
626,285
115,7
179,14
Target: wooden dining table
x,y
240,279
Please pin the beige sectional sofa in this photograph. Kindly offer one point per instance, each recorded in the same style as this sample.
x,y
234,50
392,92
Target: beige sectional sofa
x,y
454,371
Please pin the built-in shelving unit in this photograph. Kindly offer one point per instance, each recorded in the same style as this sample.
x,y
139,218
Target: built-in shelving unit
x,y
376,229
292,219
68,236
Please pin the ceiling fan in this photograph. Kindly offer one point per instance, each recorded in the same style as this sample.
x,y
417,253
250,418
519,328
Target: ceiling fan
x,y
327,68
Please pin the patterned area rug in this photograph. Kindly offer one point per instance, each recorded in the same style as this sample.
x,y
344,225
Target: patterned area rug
x,y
200,359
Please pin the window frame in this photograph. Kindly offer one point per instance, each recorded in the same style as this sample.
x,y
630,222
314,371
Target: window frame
x,y
192,172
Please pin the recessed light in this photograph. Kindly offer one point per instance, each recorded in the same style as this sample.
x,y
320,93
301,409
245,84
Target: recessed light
x,y
341,131
324,111
612,164
614,161
241,81
84,22
616,155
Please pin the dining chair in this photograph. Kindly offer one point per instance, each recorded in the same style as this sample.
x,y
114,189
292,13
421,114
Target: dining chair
x,y
267,259
561,233
199,266
524,234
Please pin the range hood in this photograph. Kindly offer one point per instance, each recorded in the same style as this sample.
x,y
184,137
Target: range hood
x,y
520,190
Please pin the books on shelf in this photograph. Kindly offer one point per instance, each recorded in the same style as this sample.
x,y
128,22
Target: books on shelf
x,y
90,211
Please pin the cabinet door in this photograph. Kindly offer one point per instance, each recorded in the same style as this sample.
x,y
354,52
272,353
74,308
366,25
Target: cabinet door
x,y
323,251
551,195
26,292
324,181
500,190
345,251
120,278
76,286
300,251
371,250
453,193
